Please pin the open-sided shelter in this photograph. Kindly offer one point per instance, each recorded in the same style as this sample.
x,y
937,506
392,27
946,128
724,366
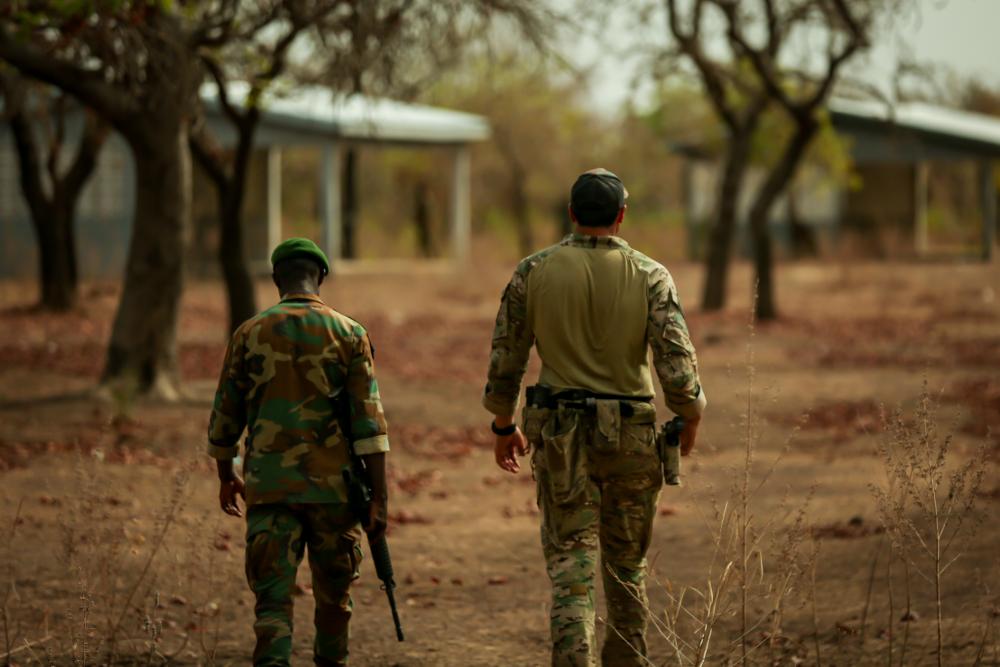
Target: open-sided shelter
x,y
305,117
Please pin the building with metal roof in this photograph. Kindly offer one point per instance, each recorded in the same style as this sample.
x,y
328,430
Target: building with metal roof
x,y
893,150
309,118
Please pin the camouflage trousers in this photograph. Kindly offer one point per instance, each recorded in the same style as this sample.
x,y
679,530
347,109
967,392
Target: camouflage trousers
x,y
277,537
598,478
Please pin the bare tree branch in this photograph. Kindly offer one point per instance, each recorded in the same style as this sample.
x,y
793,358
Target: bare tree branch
x,y
85,85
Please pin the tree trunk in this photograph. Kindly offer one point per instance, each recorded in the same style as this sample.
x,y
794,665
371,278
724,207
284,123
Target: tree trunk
x,y
240,293
230,181
349,205
53,211
142,354
232,253
522,218
56,257
777,181
720,239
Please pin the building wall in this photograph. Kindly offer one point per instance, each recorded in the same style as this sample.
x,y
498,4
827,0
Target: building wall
x,y
879,212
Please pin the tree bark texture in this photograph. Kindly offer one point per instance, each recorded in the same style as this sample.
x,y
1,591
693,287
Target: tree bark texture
x,y
720,240
142,353
776,182
232,251
229,176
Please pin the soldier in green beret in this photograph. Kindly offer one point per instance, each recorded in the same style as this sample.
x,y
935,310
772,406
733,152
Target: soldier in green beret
x,y
290,375
592,306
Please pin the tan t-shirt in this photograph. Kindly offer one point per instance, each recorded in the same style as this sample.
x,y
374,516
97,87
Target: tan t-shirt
x,y
593,306
587,309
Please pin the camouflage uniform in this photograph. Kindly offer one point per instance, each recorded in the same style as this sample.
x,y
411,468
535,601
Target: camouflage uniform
x,y
282,380
593,305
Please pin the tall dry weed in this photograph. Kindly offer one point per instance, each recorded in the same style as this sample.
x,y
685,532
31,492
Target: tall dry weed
x,y
927,503
111,610
759,563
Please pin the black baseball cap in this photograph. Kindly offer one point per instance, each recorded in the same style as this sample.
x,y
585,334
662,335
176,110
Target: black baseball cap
x,y
596,197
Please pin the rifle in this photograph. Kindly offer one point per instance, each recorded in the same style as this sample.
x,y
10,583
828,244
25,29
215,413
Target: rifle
x,y
359,498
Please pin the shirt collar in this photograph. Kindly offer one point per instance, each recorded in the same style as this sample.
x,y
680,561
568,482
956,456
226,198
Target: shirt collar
x,y
301,296
587,241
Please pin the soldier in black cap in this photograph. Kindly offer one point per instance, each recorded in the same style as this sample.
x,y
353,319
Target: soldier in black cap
x,y
592,306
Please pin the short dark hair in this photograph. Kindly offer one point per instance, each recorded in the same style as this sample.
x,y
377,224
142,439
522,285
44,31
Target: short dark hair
x,y
596,198
296,270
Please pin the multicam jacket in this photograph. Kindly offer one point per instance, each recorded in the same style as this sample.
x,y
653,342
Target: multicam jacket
x,y
593,306
285,373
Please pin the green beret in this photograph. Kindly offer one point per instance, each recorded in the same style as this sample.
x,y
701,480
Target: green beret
x,y
300,247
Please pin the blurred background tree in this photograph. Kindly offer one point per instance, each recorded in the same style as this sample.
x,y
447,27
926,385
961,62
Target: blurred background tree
x,y
751,74
51,182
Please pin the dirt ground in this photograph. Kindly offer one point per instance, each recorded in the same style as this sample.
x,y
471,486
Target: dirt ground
x,y
109,516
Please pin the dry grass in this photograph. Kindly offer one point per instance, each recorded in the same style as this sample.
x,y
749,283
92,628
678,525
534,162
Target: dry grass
x,y
759,566
473,586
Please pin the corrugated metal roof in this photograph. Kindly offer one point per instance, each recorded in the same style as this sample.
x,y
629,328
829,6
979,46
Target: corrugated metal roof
x,y
942,121
317,109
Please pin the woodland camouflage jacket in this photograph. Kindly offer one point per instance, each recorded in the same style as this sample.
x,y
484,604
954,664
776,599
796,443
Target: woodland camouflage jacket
x,y
593,306
285,373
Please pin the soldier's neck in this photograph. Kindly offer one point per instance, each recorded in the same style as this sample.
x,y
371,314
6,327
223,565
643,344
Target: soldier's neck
x,y
304,287
597,231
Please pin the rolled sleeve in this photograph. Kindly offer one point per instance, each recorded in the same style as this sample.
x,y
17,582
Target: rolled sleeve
x,y
378,444
222,453
692,410
499,405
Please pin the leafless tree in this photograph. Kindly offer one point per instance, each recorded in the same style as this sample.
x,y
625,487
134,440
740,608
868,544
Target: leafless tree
x,y
136,64
753,75
38,122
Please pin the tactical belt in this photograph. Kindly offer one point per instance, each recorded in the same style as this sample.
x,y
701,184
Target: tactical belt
x,y
540,396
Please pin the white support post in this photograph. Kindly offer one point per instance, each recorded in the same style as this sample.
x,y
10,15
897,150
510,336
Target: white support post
x,y
273,198
988,193
460,204
921,233
329,201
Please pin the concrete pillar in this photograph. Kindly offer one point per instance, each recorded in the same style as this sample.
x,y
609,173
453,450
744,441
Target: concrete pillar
x,y
460,204
988,194
921,234
329,201
274,231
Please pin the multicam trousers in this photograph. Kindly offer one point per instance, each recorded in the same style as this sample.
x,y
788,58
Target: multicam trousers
x,y
598,478
277,536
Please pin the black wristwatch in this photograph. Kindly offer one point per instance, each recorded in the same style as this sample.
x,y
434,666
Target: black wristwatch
x,y
506,430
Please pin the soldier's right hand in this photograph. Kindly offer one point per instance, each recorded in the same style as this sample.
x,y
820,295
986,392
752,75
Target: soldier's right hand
x,y
508,448
228,490
688,435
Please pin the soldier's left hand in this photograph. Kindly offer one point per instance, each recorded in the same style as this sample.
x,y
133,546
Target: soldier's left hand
x,y
507,448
